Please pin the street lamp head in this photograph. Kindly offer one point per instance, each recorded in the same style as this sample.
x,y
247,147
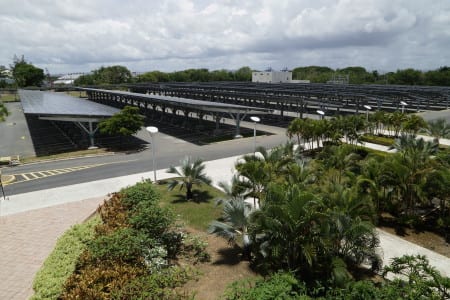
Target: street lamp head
x,y
320,112
152,129
368,107
403,103
255,119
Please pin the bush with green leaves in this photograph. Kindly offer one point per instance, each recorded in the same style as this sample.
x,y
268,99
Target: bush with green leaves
x,y
125,244
3,112
130,257
49,281
278,286
98,280
151,219
142,191
160,285
195,246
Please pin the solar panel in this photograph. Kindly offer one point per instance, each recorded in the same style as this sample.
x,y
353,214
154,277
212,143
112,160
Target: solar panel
x,y
50,103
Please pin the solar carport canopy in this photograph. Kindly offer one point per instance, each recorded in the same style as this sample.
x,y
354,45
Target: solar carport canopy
x,y
187,103
63,107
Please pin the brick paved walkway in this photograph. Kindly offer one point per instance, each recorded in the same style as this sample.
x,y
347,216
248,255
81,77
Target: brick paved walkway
x,y
27,238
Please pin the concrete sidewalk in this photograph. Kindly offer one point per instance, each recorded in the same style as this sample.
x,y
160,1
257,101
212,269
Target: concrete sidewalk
x,y
30,224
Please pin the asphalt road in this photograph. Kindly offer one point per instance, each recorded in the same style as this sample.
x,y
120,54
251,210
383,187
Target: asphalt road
x,y
15,140
169,151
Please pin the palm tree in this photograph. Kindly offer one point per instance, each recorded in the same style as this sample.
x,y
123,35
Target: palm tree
x,y
369,182
257,171
341,158
438,129
351,218
253,177
379,118
287,230
406,175
295,128
235,215
191,173
413,123
396,120
417,147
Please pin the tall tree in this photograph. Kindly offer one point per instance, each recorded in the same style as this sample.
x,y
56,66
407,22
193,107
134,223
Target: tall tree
x,y
243,74
25,74
124,123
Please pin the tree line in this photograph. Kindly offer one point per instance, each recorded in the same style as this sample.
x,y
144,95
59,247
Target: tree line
x,y
120,74
359,75
26,74
316,74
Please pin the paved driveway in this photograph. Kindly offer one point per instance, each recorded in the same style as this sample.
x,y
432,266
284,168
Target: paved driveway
x,y
14,134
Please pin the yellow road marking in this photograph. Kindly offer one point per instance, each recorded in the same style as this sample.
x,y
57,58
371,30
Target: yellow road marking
x,y
47,173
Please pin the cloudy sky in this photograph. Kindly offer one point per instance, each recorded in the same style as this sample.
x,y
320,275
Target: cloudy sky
x,y
168,35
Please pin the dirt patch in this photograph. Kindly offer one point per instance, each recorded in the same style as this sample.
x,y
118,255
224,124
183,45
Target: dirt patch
x,y
426,239
224,268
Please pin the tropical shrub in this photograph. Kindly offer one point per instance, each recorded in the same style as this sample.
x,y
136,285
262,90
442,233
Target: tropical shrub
x,y
317,239
278,286
132,252
99,280
422,280
49,281
125,244
160,285
113,215
151,219
140,192
191,172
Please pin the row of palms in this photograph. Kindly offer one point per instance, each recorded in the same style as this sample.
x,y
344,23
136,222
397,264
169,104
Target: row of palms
x,y
350,128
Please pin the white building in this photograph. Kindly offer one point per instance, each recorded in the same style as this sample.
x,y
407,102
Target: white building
x,y
272,76
67,79
275,77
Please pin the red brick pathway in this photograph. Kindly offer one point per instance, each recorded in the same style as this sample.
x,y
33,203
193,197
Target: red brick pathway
x,y
27,238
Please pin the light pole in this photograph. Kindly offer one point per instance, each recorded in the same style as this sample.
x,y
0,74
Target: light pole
x,y
1,185
255,120
403,104
153,130
367,107
321,113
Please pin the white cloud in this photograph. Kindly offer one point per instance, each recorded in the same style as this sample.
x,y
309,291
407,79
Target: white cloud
x,y
69,35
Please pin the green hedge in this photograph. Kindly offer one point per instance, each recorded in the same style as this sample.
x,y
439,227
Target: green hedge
x,y
380,140
60,264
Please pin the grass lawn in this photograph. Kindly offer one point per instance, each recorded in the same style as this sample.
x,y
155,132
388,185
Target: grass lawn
x,y
9,97
197,213
77,94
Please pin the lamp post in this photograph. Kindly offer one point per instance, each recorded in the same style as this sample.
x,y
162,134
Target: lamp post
x,y
321,113
255,120
1,185
403,104
367,107
153,130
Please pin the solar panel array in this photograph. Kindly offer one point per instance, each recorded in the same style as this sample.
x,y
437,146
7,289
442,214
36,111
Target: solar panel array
x,y
58,104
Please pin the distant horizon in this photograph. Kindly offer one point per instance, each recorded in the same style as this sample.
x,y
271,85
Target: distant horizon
x,y
261,70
